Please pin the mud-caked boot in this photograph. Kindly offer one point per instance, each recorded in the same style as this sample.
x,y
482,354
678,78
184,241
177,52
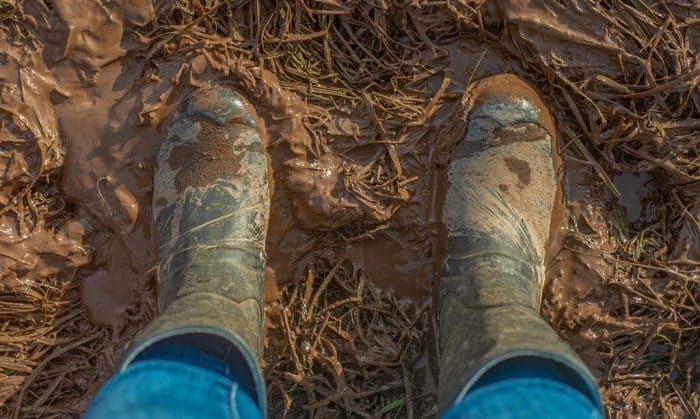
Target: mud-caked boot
x,y
210,210
503,187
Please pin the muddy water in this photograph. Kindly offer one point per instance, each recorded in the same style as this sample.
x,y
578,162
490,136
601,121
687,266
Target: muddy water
x,y
107,169
97,122
631,187
102,124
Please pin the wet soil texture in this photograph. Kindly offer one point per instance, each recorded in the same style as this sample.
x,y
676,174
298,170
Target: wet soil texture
x,y
359,105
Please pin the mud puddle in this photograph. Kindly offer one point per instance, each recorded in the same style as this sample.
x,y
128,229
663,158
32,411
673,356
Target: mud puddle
x,y
356,137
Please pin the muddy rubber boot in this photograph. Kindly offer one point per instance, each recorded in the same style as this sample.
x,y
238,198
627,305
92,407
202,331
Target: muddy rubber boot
x,y
499,207
210,209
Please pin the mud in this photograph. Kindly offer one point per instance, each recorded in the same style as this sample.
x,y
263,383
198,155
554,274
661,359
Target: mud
x,y
631,187
359,139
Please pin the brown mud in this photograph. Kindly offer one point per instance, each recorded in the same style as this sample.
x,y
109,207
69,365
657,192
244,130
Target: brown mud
x,y
357,102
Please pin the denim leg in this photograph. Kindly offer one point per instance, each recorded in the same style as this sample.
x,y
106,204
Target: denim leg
x,y
527,387
171,380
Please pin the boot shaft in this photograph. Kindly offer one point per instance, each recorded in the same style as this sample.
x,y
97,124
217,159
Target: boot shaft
x,y
210,209
498,213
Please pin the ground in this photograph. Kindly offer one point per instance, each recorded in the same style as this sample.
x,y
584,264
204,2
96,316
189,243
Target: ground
x,y
356,101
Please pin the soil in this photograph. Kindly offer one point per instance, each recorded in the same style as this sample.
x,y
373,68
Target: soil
x,y
357,101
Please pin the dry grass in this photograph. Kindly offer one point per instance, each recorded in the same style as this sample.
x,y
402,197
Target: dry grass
x,y
341,347
633,105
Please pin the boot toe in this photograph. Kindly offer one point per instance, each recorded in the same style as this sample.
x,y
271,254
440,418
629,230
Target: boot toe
x,y
218,104
506,99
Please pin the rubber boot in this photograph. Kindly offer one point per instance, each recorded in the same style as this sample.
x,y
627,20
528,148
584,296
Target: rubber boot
x,y
503,184
210,209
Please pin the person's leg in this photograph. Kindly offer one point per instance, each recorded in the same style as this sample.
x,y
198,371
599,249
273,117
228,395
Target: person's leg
x,y
526,388
498,357
210,211
174,380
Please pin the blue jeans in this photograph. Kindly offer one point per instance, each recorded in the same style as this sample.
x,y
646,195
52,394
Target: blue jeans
x,y
171,380
174,381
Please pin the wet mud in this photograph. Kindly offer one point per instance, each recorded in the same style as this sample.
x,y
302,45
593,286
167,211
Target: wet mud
x,y
359,138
